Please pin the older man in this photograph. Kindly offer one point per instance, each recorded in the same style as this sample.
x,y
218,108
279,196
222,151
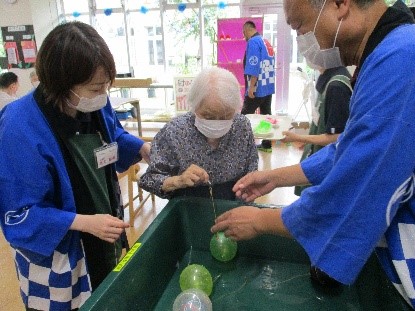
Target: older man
x,y
362,195
259,75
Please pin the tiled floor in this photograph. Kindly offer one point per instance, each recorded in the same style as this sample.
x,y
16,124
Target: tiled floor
x,y
282,155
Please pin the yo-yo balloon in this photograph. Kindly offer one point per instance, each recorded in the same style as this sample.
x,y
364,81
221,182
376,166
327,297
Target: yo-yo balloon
x,y
196,276
192,300
223,248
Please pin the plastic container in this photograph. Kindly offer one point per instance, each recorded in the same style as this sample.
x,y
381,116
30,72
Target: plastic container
x,y
268,272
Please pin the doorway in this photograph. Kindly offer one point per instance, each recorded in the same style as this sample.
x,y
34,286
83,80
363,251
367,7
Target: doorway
x,y
291,80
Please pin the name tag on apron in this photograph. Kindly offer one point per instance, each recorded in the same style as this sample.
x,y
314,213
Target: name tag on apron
x,y
106,155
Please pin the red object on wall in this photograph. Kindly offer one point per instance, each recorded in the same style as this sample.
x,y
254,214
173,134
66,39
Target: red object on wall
x,y
12,53
29,51
231,45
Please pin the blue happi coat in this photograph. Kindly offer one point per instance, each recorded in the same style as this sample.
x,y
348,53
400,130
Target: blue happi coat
x,y
37,205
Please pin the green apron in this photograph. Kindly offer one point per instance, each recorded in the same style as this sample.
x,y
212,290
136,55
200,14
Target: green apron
x,y
101,256
317,129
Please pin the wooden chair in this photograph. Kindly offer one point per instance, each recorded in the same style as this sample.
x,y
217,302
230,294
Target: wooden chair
x,y
132,177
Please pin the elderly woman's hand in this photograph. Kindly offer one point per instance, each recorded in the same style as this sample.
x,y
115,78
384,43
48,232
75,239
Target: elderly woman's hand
x,y
145,152
194,175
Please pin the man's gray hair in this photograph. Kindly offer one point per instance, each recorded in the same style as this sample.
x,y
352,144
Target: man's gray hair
x,y
360,3
217,82
32,74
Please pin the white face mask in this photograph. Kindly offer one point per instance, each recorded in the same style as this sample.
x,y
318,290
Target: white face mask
x,y
213,128
35,84
89,104
315,57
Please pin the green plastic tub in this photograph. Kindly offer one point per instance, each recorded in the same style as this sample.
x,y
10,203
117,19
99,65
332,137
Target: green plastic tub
x,y
268,273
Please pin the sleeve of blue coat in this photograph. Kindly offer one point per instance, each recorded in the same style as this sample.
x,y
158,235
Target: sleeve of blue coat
x,y
128,145
36,205
318,165
341,220
253,58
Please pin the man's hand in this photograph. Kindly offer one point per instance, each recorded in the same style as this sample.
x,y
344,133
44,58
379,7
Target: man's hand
x,y
239,223
254,185
291,137
247,222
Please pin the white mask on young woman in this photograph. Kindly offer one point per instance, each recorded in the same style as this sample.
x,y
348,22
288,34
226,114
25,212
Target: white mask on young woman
x,y
317,58
213,128
89,104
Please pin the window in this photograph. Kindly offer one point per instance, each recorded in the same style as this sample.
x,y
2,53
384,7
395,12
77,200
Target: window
x,y
3,58
210,16
2,50
112,29
182,41
139,42
146,43
181,1
155,46
161,39
70,7
142,5
106,4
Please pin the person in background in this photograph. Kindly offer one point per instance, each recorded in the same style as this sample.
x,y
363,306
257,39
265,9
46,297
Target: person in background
x,y
329,113
362,199
211,143
259,75
9,84
60,206
34,79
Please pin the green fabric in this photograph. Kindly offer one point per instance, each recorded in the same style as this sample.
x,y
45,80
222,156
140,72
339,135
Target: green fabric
x,y
82,148
320,128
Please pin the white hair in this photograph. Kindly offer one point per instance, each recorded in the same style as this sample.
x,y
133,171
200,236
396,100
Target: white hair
x,y
217,82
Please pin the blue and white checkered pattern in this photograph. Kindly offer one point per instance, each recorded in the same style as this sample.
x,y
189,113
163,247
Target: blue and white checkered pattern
x,y
397,252
260,62
267,75
58,282
397,256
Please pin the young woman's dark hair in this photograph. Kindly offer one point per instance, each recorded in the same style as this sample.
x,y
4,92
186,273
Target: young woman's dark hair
x,y
70,55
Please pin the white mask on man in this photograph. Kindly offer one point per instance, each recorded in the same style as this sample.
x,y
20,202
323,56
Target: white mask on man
x,y
89,104
317,58
213,128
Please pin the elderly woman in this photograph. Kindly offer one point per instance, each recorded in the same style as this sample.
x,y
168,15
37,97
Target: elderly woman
x,y
211,143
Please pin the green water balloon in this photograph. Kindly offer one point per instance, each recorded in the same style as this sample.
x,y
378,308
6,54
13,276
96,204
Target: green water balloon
x,y
223,248
196,276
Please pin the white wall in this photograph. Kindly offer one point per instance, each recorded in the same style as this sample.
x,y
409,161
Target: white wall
x,y
15,14
42,14
262,2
